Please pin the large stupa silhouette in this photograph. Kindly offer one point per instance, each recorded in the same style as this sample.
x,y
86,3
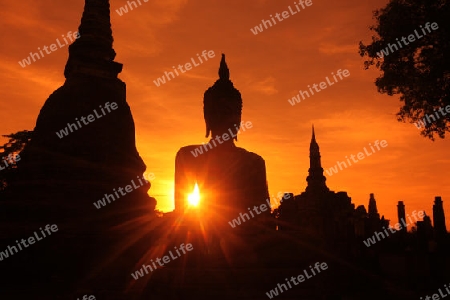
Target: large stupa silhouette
x,y
62,175
94,157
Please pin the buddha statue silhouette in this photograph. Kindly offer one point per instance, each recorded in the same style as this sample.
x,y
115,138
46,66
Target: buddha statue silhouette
x,y
231,179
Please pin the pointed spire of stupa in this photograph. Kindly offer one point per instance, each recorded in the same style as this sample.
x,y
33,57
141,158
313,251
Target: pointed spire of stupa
x,y
315,179
92,53
314,152
313,139
372,208
313,146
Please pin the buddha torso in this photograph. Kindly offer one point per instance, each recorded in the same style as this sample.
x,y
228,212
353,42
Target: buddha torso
x,y
231,179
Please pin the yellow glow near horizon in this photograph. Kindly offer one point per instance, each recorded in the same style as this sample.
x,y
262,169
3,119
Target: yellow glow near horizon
x,y
194,197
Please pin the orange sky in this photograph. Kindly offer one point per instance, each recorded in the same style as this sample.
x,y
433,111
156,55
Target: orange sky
x,y
268,69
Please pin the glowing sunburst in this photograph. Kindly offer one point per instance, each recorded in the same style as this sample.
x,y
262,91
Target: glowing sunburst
x,y
194,197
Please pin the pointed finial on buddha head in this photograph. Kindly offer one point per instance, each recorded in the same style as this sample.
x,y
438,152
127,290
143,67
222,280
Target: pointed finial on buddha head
x,y
224,73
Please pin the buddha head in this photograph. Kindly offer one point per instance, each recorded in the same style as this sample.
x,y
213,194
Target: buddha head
x,y
222,105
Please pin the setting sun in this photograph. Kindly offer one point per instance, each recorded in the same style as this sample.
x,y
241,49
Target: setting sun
x,y
194,197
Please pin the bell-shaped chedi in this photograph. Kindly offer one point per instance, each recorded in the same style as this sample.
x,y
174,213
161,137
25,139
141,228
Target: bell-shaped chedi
x,y
84,139
231,180
82,151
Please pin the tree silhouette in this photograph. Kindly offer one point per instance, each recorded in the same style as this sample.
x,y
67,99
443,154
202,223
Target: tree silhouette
x,y
418,70
16,143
